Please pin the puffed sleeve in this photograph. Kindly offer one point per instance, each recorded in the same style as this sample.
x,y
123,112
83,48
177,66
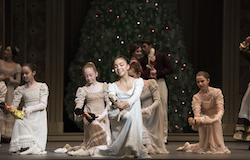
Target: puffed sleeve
x,y
137,91
111,89
154,89
196,106
219,100
18,94
3,90
44,93
80,97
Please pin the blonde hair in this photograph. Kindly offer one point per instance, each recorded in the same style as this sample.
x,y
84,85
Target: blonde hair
x,y
89,65
204,74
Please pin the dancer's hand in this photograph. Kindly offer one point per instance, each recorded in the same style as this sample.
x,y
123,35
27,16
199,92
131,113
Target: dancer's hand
x,y
26,113
6,77
81,115
5,110
191,121
153,73
121,105
199,122
143,111
153,58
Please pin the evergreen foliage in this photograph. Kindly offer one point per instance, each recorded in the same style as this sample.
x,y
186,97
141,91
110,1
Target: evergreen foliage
x,y
109,29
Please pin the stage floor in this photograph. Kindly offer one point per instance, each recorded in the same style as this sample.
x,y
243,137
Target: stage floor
x,y
239,151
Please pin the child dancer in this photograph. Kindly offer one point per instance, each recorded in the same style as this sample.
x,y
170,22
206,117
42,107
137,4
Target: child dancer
x,y
208,109
152,113
10,73
3,90
127,128
30,134
242,128
95,93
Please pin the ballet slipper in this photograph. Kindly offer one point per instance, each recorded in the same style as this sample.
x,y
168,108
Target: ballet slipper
x,y
74,153
67,146
15,153
83,147
60,150
32,150
70,153
183,147
150,149
82,152
79,152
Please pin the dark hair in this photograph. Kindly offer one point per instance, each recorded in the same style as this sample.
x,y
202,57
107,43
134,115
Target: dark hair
x,y
146,40
14,50
204,74
136,67
133,47
121,56
31,66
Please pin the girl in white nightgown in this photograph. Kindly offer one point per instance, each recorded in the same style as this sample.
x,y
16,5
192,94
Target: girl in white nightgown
x,y
29,135
208,109
127,128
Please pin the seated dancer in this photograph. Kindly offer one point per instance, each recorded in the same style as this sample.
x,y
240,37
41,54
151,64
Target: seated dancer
x,y
242,128
96,132
208,109
29,134
124,115
3,91
152,113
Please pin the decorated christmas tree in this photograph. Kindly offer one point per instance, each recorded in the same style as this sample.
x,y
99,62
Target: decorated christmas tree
x,y
111,26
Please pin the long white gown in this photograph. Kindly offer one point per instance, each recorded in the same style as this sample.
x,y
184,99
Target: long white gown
x,y
32,129
127,132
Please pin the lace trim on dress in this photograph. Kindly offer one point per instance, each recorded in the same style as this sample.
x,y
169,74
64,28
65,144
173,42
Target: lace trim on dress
x,y
104,89
21,142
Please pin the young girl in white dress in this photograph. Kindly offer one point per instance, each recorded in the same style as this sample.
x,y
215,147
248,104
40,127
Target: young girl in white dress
x,y
127,128
208,109
29,135
95,93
